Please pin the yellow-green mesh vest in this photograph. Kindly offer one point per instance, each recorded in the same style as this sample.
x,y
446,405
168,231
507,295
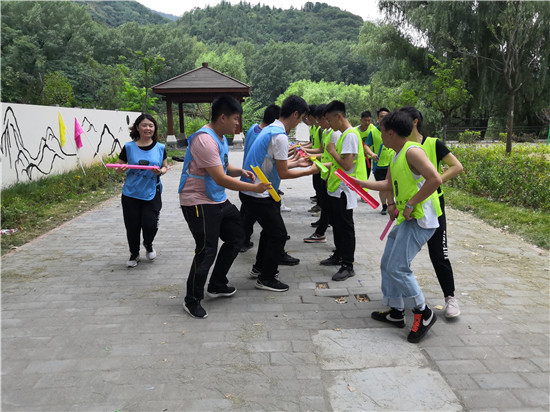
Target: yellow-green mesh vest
x,y
313,130
315,140
326,157
360,171
386,154
365,134
405,186
429,147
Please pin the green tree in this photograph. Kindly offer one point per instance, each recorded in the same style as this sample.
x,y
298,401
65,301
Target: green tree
x,y
57,90
230,63
448,92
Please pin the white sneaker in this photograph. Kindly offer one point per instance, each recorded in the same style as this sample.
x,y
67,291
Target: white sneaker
x,y
285,208
132,263
152,254
451,307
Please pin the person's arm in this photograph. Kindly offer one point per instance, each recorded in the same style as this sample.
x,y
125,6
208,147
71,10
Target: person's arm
x,y
378,185
454,167
285,173
420,164
218,174
369,152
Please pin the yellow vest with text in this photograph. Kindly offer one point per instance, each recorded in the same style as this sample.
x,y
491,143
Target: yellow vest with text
x,y
386,154
360,171
405,186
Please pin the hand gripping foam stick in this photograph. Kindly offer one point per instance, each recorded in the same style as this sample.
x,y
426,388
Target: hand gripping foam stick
x,y
358,189
388,225
263,179
119,165
321,166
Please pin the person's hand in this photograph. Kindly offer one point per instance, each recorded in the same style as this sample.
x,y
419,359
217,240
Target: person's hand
x,y
249,175
261,187
407,213
314,169
331,148
375,157
392,212
122,169
304,162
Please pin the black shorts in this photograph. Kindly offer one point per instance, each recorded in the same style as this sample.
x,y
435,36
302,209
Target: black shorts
x,y
380,173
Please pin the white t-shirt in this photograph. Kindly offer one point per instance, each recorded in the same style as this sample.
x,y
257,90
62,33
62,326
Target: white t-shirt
x,y
349,145
278,150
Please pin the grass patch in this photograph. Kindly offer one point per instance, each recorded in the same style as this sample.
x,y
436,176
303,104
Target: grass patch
x,y
533,226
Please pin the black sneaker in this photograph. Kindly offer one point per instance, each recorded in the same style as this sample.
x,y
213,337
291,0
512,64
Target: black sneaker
x,y
273,285
224,291
343,273
280,192
246,247
423,321
384,210
255,272
332,260
195,310
288,260
315,224
392,316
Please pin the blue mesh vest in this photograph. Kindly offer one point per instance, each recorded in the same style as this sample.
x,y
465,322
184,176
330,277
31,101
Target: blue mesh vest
x,y
139,183
258,152
213,190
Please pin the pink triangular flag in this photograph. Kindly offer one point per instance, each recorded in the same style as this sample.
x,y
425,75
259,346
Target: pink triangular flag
x,y
77,132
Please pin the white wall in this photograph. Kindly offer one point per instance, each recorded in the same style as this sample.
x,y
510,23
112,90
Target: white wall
x,y
30,142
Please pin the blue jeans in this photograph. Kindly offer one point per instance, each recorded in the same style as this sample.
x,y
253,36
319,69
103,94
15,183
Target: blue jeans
x,y
399,286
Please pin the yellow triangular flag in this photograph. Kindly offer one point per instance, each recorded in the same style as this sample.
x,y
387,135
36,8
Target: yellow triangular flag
x,y
62,130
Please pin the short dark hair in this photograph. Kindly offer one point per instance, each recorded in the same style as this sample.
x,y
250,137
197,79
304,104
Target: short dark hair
x,y
271,113
336,106
134,134
311,110
415,114
382,109
366,113
320,110
292,104
225,104
398,121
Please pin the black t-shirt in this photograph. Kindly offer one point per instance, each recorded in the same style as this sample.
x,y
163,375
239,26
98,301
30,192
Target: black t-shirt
x,y
122,156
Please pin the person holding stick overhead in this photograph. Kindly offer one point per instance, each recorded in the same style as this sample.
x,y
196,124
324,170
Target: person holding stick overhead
x,y
270,153
209,214
142,189
414,180
437,245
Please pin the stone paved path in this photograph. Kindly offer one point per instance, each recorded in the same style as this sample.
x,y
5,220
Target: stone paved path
x,y
81,332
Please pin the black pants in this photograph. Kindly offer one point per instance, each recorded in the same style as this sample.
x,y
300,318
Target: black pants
x,y
324,219
273,234
208,223
141,215
248,217
316,178
439,255
343,228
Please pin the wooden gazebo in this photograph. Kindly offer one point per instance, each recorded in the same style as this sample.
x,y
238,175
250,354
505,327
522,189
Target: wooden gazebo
x,y
201,85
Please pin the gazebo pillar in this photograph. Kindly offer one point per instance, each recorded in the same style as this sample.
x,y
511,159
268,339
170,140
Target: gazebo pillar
x,y
170,137
182,122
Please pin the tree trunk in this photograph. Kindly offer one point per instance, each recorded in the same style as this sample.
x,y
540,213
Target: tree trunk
x,y
444,130
510,121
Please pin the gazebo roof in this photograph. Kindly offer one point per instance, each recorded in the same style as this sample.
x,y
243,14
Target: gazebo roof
x,y
201,85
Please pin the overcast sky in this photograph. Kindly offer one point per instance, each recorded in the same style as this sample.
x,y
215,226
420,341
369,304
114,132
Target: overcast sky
x,y
367,9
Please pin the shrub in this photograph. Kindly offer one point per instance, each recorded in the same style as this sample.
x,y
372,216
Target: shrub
x,y
469,136
520,179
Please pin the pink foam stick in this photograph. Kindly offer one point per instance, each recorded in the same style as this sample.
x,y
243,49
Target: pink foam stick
x,y
388,225
119,165
358,189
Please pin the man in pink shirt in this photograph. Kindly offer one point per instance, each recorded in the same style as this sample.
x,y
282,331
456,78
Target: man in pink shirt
x,y
209,214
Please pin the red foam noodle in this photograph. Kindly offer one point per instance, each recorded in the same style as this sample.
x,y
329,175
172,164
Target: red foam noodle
x,y
358,189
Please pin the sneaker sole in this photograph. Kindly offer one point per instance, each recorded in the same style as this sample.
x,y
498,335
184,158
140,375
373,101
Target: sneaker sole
x,y
264,287
220,295
288,263
452,316
193,316
315,241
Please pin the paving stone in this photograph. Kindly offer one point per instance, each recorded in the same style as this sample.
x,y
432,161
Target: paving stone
x,y
80,331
